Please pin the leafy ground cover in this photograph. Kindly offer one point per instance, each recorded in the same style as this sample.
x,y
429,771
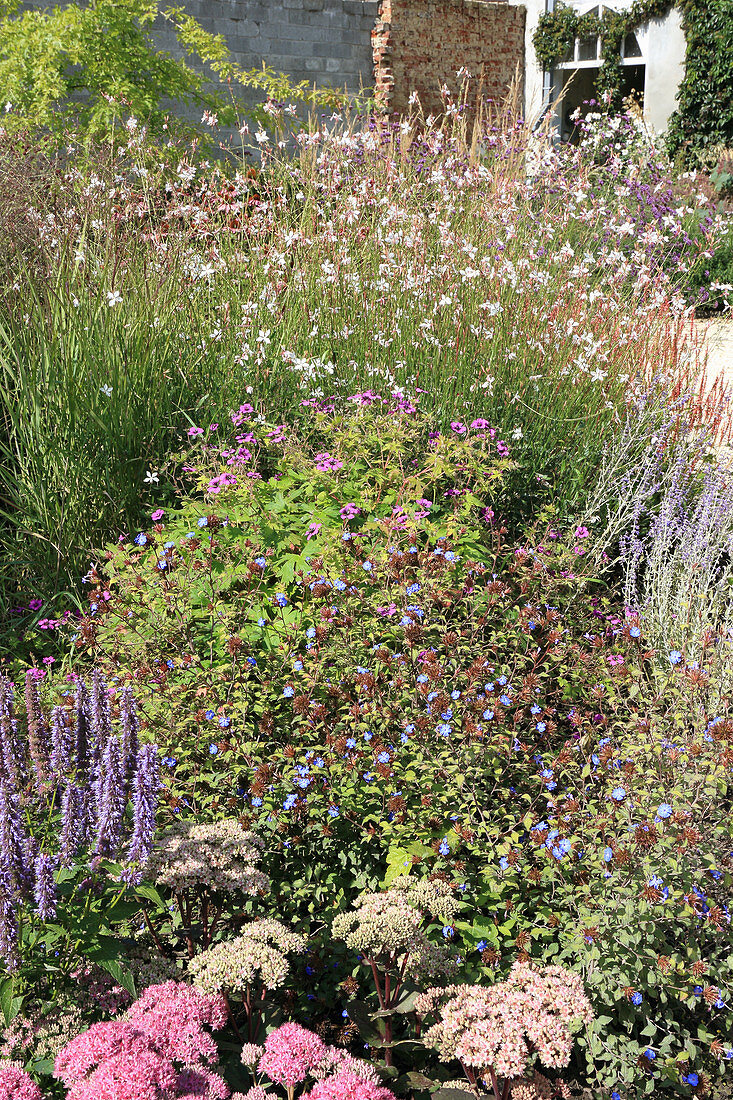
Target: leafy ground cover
x,y
384,748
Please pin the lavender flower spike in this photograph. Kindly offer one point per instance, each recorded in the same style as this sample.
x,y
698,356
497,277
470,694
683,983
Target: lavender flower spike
x,y
145,804
11,760
73,822
45,889
130,729
81,730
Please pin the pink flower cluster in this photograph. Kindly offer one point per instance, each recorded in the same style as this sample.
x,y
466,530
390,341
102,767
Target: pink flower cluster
x,y
292,1055
496,1028
135,1058
15,1084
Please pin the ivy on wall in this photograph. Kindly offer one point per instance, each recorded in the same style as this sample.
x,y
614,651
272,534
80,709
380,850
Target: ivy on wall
x,y
704,118
558,29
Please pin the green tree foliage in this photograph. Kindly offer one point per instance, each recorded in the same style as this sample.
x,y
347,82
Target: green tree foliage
x,y
93,64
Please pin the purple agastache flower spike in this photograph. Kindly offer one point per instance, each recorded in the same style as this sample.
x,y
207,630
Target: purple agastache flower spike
x,y
73,821
145,804
81,730
130,728
11,759
62,742
101,717
45,888
14,872
37,727
8,934
111,805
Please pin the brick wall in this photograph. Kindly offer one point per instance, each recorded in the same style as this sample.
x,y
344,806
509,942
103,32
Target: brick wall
x,y
420,44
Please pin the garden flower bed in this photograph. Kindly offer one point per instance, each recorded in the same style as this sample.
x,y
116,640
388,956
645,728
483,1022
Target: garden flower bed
x,y
365,715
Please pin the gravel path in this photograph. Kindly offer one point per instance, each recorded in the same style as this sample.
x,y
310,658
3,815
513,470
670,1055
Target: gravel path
x,y
717,337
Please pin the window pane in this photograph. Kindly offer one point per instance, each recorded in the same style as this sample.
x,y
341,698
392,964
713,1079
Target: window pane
x,y
631,47
588,49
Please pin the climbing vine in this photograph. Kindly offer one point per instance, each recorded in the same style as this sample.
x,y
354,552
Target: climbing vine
x,y
558,29
703,121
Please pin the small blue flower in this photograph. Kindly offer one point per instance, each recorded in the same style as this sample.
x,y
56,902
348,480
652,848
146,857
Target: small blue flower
x,y
481,945
607,854
448,932
209,714
665,810
675,657
140,539
350,742
505,700
503,863
213,750
444,729
650,1054
203,522
262,562
691,1079
488,715
297,666
281,599
534,709
224,723
541,727
636,998
288,691
261,622
333,811
252,661
257,801
444,847
367,566
383,757
634,632
618,794
290,801
310,632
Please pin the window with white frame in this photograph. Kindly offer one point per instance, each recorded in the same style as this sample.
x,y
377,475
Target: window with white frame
x,y
587,53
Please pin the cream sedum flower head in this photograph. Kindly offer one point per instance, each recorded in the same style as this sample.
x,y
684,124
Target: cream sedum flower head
x,y
257,956
220,855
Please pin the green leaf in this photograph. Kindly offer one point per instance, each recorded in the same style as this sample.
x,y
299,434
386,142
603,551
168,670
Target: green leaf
x,y
121,976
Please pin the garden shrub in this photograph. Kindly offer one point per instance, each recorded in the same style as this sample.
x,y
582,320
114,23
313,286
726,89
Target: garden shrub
x,y
336,645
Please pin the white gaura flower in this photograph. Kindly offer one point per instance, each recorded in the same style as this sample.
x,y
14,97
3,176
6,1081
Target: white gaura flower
x,y
113,298
106,390
151,477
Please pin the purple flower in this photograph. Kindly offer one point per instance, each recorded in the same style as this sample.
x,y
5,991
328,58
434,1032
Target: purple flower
x,y
111,800
37,728
145,804
73,821
44,891
128,718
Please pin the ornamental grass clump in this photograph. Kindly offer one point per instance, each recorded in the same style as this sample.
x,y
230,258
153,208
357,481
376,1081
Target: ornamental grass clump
x,y
73,794
495,1031
205,868
247,968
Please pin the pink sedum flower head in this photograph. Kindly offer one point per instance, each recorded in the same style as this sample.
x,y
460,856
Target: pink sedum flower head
x,y
16,1084
348,1086
497,1027
291,1053
173,1015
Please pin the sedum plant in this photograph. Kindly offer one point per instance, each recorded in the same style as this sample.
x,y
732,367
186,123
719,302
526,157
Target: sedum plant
x,y
204,867
387,929
247,968
494,1031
